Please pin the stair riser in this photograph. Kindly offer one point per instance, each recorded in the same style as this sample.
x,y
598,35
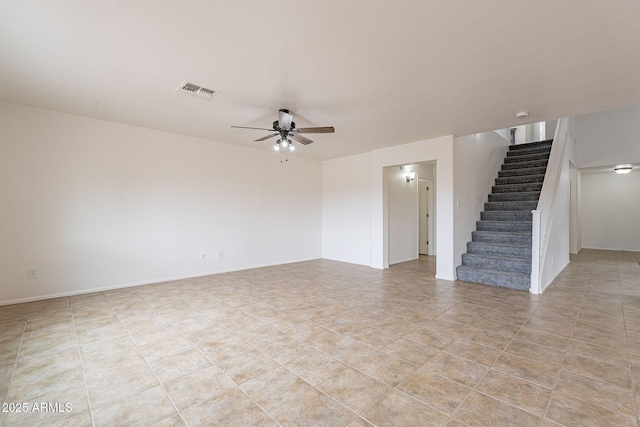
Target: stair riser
x,y
504,226
529,151
524,179
526,158
521,283
524,165
501,238
519,172
505,216
499,250
502,264
515,197
518,147
517,188
511,206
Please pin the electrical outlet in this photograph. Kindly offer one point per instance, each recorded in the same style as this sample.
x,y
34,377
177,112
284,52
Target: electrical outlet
x,y
203,255
32,273
220,254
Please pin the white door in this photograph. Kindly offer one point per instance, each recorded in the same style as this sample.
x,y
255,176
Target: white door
x,y
423,216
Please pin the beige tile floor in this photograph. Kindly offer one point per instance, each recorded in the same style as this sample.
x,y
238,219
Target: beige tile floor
x,y
324,343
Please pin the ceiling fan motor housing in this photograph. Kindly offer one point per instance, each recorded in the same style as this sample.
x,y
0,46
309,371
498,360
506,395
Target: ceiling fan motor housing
x,y
286,127
276,126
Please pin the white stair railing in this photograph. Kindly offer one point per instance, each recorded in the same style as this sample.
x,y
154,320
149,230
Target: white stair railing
x,y
543,214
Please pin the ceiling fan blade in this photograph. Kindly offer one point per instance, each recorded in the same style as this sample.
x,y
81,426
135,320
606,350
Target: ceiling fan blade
x,y
284,120
246,127
265,137
321,129
301,139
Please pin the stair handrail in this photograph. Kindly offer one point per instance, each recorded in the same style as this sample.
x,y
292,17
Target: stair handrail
x,y
541,216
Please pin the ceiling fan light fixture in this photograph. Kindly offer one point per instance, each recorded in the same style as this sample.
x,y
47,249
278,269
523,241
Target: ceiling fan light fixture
x,y
286,129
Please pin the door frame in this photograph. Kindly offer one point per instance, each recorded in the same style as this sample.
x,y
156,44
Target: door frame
x,y
428,181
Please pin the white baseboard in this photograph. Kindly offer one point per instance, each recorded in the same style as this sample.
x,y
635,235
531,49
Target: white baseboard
x,y
141,283
544,287
403,260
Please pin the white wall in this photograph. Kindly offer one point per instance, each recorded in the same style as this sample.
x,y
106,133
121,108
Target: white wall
x,y
345,218
611,211
94,204
346,209
609,203
575,227
550,129
608,137
403,214
477,160
531,132
439,150
521,134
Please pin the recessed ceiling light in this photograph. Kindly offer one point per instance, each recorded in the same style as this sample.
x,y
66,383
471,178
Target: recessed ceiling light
x,y
522,115
621,170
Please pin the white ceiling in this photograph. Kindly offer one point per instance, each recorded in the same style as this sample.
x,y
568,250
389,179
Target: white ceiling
x,y
382,72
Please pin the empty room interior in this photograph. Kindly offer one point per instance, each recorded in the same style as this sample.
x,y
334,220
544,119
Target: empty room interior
x,y
330,213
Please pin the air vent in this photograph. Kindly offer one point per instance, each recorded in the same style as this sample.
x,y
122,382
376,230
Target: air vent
x,y
196,91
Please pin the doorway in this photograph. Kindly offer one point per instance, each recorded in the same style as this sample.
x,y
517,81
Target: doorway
x,y
411,211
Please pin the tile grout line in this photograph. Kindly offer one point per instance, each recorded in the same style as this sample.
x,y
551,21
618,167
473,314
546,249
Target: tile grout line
x,y
583,296
225,374
237,386
626,337
474,388
145,359
348,365
84,377
564,356
15,364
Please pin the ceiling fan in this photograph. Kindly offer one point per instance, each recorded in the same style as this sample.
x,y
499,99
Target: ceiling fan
x,y
285,127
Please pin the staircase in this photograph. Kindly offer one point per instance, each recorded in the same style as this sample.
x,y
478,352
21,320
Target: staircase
x,y
500,249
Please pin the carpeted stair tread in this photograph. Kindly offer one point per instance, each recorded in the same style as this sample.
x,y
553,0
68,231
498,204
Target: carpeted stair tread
x,y
525,152
516,188
504,279
499,252
517,205
505,215
526,145
505,226
498,249
500,263
527,158
520,179
524,171
527,164
503,237
514,197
